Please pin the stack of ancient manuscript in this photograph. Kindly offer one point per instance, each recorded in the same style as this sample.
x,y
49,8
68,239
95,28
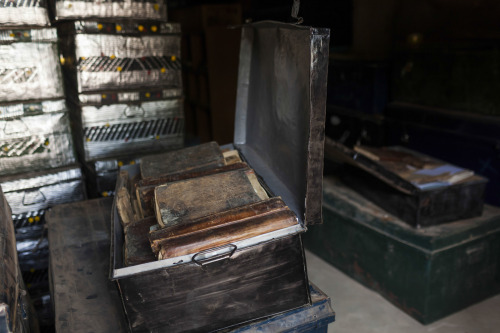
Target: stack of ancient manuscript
x,y
191,200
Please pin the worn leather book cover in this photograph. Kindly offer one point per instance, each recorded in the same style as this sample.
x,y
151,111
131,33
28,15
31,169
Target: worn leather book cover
x,y
196,158
222,228
137,249
144,188
187,200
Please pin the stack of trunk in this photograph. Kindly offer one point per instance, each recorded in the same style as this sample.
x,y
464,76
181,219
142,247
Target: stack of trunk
x,y
123,77
396,218
37,157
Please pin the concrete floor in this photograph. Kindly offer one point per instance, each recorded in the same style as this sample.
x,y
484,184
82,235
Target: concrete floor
x,y
360,310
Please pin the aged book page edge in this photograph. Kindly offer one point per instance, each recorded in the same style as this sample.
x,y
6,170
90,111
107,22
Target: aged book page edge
x,y
231,157
259,190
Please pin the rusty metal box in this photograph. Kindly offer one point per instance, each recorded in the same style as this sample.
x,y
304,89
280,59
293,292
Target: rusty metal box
x,y
279,132
130,128
429,273
31,194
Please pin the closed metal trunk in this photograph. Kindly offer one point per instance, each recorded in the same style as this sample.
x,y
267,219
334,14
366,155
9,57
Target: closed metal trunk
x,y
29,65
41,190
118,129
103,56
34,136
428,273
419,207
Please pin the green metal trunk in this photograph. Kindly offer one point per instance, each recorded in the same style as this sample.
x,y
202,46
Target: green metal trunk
x,y
429,272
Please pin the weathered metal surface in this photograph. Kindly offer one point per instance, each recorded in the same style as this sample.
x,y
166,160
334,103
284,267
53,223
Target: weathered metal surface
x,y
129,9
24,13
280,111
121,55
34,136
428,272
311,319
190,159
84,299
257,281
29,65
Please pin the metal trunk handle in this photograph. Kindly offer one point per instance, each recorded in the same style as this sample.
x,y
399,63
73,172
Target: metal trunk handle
x,y
214,254
33,197
134,111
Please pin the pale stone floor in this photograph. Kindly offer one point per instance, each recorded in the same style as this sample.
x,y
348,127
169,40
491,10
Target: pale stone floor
x,y
361,310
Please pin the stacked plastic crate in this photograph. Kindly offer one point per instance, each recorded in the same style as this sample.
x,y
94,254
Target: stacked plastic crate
x,y
37,160
123,74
